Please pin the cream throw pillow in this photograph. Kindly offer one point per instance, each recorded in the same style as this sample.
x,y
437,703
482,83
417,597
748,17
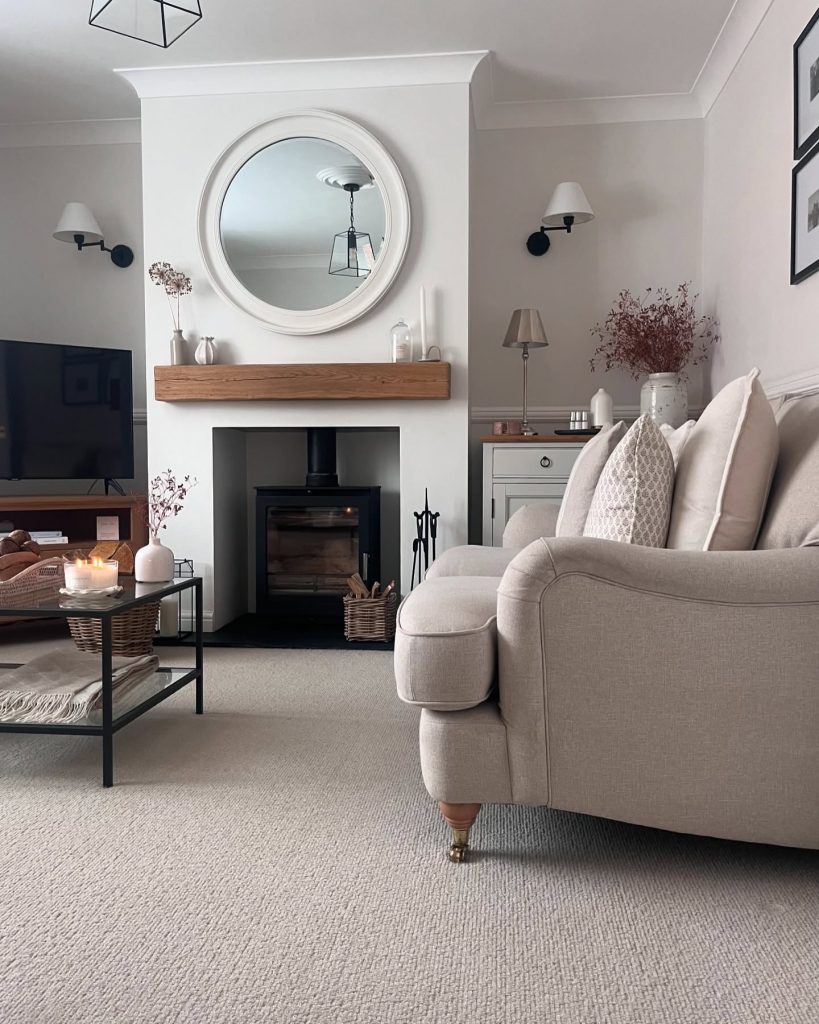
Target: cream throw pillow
x,y
725,471
677,438
632,500
583,479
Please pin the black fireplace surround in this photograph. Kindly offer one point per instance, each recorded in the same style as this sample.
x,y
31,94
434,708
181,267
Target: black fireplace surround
x,y
310,539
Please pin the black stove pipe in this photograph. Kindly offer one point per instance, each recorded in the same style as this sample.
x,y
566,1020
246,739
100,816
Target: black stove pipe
x,y
321,457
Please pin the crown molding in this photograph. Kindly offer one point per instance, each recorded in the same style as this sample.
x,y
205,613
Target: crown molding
x,y
738,30
597,110
304,75
112,132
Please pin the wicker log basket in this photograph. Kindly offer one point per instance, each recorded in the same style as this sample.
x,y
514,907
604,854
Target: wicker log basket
x,y
132,633
370,618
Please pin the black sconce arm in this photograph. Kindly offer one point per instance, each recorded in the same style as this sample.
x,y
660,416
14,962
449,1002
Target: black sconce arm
x,y
538,242
121,255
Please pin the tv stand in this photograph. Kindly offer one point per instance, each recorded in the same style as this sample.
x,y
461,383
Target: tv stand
x,y
115,485
76,515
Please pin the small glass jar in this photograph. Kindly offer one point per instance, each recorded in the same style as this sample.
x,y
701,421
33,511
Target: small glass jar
x,y
401,343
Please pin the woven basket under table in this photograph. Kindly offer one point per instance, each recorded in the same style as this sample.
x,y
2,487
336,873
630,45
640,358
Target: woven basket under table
x,y
132,632
370,618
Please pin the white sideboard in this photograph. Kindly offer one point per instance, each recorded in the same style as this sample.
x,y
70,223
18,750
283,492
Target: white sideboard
x,y
522,471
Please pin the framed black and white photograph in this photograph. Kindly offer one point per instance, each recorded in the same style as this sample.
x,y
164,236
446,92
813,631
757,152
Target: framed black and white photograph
x,y
805,217
806,89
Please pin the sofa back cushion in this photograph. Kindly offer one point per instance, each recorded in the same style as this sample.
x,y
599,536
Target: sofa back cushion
x,y
632,500
583,479
725,471
792,516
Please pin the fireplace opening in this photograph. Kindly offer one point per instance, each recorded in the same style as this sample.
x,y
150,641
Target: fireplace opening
x,y
311,539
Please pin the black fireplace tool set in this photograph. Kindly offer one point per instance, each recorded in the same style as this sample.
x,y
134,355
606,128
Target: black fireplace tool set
x,y
426,530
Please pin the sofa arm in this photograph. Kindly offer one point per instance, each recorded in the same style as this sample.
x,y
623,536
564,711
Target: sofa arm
x,y
472,560
673,689
784,576
446,643
530,523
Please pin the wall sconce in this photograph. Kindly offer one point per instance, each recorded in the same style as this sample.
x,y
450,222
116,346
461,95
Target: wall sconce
x,y
78,225
567,207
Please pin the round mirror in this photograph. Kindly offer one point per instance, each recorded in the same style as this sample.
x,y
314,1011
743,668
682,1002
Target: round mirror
x,y
304,222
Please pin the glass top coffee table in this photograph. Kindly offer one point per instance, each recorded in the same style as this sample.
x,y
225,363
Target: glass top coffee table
x,y
149,692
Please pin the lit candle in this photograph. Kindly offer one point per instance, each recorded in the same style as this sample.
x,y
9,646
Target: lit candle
x,y
94,575
423,323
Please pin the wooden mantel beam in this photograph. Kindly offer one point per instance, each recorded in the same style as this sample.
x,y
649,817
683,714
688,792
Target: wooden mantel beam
x,y
302,381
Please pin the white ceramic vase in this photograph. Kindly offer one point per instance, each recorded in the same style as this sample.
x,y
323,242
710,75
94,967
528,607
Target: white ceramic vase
x,y
601,408
154,563
664,396
179,349
205,351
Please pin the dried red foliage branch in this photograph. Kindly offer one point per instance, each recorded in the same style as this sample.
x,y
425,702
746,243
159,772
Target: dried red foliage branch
x,y
660,332
175,283
165,499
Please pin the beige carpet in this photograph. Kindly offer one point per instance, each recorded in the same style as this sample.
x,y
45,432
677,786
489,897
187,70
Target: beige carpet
x,y
279,861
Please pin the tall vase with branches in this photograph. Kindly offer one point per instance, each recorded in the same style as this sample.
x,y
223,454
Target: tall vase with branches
x,y
155,562
658,335
175,284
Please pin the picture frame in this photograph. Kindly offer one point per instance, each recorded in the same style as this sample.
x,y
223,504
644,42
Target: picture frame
x,y
805,217
806,89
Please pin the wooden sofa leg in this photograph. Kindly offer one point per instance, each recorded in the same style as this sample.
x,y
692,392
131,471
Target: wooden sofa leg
x,y
460,818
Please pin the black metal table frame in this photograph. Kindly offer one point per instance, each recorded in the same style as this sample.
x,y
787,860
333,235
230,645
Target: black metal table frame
x,y
111,725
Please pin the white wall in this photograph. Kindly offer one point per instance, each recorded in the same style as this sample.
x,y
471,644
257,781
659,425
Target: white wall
x,y
49,291
644,182
427,132
748,161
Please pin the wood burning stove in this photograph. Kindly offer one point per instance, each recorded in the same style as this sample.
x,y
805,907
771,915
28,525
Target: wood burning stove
x,y
310,539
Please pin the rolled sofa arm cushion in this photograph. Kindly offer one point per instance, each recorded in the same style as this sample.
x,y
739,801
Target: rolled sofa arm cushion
x,y
472,560
530,523
786,576
446,643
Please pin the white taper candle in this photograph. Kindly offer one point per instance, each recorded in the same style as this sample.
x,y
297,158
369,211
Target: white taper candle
x,y
423,323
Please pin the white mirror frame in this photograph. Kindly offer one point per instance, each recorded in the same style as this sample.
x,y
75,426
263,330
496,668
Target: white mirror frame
x,y
317,124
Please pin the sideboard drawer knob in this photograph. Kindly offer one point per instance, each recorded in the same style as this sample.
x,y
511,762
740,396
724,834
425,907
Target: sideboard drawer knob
x,y
545,462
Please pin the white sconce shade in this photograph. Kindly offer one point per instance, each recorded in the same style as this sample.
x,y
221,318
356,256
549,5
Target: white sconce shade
x,y
77,219
568,200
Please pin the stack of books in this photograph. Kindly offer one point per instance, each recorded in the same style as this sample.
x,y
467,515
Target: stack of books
x,y
44,537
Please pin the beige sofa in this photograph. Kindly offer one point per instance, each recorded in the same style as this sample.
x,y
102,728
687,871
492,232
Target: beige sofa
x,y
673,689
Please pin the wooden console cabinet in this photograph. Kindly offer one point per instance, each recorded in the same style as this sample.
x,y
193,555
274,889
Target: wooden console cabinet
x,y
76,515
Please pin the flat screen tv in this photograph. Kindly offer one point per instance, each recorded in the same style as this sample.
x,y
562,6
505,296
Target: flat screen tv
x,y
66,412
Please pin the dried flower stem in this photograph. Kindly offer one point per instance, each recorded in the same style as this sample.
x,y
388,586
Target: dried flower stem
x,y
165,500
657,333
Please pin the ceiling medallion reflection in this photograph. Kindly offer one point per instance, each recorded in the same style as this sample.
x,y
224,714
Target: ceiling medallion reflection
x,y
157,22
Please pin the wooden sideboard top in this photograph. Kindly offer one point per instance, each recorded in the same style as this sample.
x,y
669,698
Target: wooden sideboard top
x,y
537,439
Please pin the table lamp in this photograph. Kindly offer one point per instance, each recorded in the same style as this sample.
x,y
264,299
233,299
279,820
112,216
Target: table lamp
x,y
525,331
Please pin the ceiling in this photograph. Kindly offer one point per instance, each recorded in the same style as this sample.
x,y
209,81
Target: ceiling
x,y
54,67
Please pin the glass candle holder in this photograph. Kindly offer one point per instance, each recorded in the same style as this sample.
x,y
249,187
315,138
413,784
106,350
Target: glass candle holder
x,y
91,575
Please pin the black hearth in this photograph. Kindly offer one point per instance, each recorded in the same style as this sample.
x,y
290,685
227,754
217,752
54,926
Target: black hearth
x,y
310,539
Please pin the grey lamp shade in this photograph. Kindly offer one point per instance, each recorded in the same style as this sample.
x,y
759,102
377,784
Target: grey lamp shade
x,y
568,200
77,219
525,328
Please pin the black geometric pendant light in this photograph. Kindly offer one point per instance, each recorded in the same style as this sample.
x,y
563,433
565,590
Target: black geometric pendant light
x,y
352,252
158,22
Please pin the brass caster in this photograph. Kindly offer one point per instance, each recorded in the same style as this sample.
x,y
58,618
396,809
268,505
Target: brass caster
x,y
457,852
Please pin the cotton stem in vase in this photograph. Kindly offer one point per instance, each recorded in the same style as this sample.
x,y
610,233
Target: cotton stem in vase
x,y
175,284
423,301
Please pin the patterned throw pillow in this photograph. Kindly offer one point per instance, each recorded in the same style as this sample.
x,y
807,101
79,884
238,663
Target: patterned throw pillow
x,y
588,466
632,500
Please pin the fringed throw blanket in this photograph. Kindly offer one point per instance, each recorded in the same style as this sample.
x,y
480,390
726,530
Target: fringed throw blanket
x,y
66,686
